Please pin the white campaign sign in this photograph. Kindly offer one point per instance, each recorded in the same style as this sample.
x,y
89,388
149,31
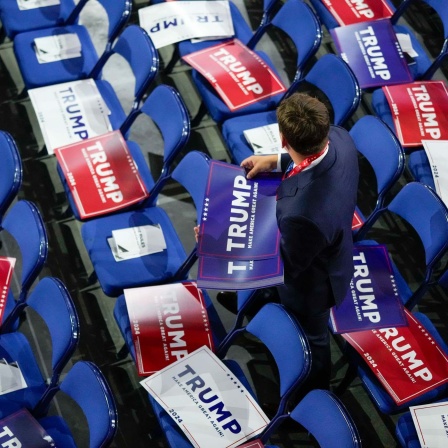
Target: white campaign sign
x,y
70,112
205,399
264,139
437,152
57,47
171,22
431,424
33,4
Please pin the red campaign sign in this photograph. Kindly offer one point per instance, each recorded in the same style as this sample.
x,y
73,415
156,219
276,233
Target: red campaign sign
x,y
254,444
419,111
101,174
347,12
406,360
357,222
238,74
167,323
6,270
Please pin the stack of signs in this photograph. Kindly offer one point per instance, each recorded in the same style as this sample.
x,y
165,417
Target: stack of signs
x,y
347,12
135,242
21,429
167,323
101,174
11,377
57,47
6,271
419,111
171,22
407,361
373,300
239,75
437,152
69,112
33,4
239,242
373,52
208,403
431,424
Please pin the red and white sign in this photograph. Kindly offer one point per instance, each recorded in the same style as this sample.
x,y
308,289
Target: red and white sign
x,y
6,271
357,222
419,111
167,323
254,444
101,174
407,361
347,12
238,74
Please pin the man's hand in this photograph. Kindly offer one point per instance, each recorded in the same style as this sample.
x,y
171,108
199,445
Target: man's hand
x,y
259,164
196,233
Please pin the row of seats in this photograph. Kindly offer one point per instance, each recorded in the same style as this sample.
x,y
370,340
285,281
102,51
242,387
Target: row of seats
x,y
45,308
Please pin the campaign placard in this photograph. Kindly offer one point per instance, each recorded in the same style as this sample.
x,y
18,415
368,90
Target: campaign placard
x,y
264,139
33,4
254,444
206,400
419,111
347,12
373,52
431,424
167,323
239,75
372,300
101,174
357,221
171,22
407,360
437,152
238,216
69,112
57,47
22,429
6,271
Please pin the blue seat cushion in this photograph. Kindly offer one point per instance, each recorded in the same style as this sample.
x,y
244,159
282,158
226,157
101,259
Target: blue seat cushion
x,y
36,74
150,269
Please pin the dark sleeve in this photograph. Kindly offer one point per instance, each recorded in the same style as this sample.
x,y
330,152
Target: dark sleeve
x,y
301,242
285,159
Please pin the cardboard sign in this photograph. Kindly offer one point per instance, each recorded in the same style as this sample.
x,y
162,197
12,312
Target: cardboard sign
x,y
11,377
419,111
6,271
264,139
431,424
101,174
437,152
167,323
372,51
347,12
372,300
22,429
239,75
171,22
33,4
57,47
254,444
357,221
407,361
70,112
208,403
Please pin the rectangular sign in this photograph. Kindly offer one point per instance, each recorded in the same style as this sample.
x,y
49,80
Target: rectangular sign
x,y
167,323
419,111
264,139
437,152
347,12
239,75
357,221
6,271
372,51
171,22
373,300
208,403
101,174
69,112
22,429
407,361
431,424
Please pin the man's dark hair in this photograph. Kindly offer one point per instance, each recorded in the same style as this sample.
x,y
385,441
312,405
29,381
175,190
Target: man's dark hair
x,y
304,122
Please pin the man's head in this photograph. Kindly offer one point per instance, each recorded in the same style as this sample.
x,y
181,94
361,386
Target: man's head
x,y
304,123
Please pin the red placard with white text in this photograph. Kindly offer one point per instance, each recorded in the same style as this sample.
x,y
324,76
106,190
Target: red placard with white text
x,y
407,361
238,74
167,323
254,444
347,12
419,111
101,174
6,271
357,221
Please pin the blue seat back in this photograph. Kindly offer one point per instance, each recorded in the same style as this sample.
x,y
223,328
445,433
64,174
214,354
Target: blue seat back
x,y
192,174
341,88
327,419
118,13
10,172
24,223
51,300
85,384
69,11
